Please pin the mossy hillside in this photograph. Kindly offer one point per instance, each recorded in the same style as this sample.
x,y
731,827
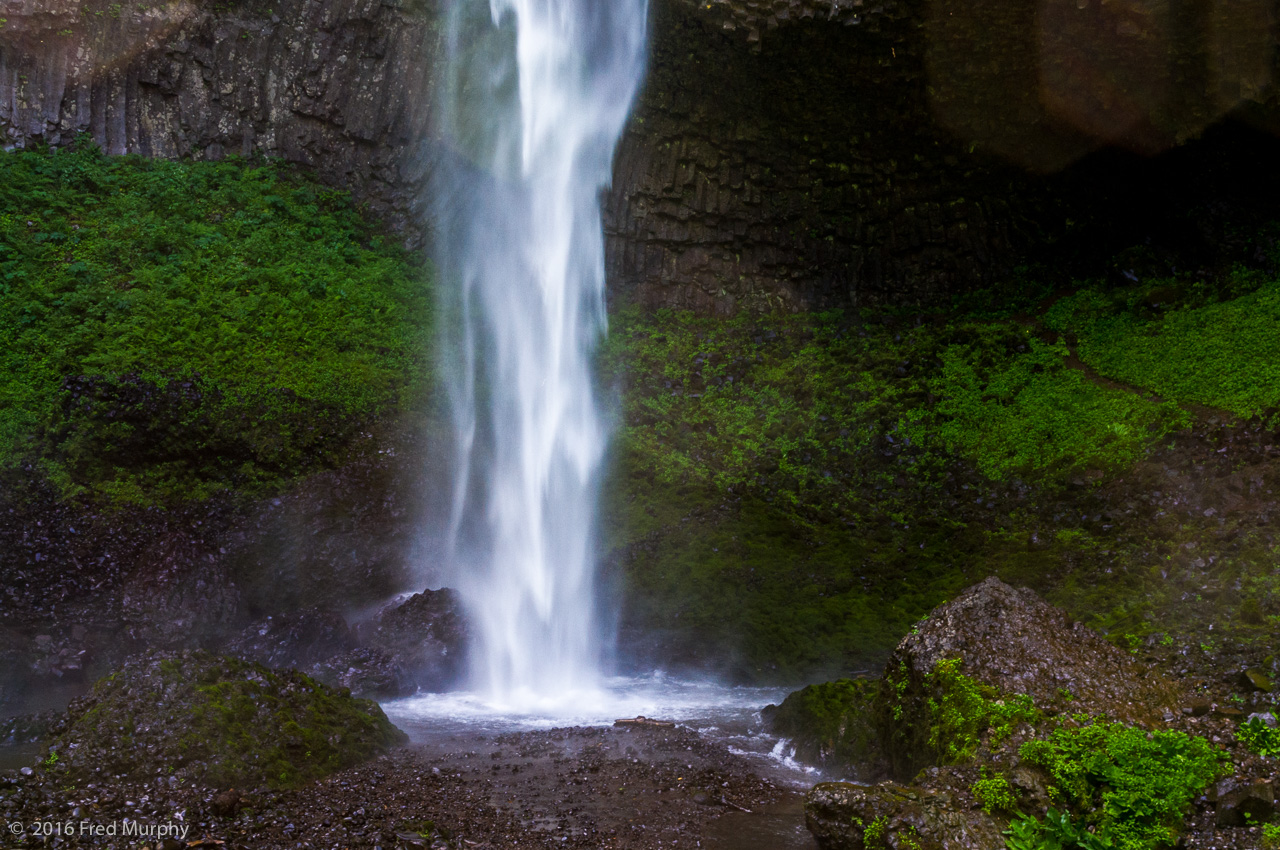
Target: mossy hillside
x,y
1213,344
175,329
838,474
218,721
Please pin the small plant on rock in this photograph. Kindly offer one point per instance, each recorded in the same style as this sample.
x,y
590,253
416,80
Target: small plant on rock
x,y
963,710
995,793
1259,738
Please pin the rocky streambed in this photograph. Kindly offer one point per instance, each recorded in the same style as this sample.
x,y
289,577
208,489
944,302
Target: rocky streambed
x,y
632,787
997,719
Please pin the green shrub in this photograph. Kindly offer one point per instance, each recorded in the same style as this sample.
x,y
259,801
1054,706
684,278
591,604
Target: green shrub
x,y
1056,832
963,710
1133,786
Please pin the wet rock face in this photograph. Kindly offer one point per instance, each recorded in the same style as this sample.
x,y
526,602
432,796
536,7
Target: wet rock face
x,y
801,171
339,87
889,815
1010,639
784,154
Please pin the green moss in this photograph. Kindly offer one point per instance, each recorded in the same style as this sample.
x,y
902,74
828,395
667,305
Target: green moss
x,y
1185,341
225,722
1131,785
831,472
175,328
831,722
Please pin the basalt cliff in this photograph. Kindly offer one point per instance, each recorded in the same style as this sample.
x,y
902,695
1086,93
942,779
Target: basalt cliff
x,y
784,154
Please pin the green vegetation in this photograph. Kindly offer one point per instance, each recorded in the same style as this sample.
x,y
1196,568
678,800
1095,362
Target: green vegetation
x,y
1056,832
963,711
994,793
1131,786
178,329
1260,738
1033,412
779,478
225,722
1187,341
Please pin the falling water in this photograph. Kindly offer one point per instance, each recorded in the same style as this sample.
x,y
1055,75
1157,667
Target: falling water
x,y
536,96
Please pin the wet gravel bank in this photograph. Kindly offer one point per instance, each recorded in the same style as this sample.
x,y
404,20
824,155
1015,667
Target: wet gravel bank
x,y
622,787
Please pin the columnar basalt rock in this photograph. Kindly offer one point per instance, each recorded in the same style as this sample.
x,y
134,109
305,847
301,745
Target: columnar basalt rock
x,y
785,154
340,87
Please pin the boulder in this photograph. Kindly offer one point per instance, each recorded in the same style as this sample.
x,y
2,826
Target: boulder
x,y
367,672
1243,802
832,725
216,721
843,816
425,634
300,639
1011,640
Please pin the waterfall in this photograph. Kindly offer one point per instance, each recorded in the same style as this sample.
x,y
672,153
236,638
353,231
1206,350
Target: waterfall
x,y
535,97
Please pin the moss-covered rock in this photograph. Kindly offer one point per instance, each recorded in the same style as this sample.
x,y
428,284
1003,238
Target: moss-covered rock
x,y
968,662
843,816
218,721
832,724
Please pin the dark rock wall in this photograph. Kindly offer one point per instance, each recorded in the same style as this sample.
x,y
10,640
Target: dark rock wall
x,y
784,154
811,153
339,86
805,173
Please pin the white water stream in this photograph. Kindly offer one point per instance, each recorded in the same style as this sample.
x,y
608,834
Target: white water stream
x,y
536,97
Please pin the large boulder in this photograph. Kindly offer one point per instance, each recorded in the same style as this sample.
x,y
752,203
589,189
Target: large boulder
x,y
217,721
1011,640
418,643
970,683
843,816
300,639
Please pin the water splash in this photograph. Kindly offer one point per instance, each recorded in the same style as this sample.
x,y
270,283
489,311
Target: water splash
x,y
536,96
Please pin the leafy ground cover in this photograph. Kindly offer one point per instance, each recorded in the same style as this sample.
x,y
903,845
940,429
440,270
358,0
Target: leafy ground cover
x,y
1130,785
173,329
792,492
